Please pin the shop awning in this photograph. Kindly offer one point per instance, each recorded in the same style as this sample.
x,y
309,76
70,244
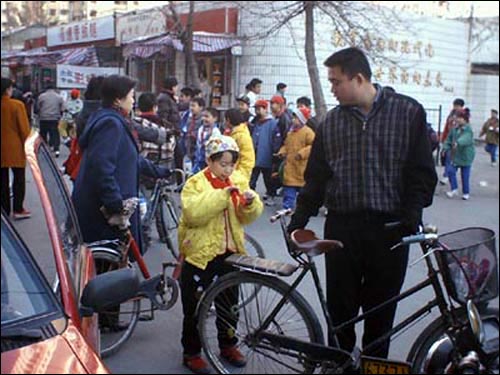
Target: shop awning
x,y
164,44
74,56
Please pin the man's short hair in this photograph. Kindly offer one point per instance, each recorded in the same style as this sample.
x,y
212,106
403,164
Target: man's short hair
x,y
352,61
214,112
146,102
459,101
280,86
199,101
494,111
304,100
170,82
187,91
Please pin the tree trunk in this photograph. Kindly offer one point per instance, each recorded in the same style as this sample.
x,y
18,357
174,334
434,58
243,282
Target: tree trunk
x,y
192,68
312,66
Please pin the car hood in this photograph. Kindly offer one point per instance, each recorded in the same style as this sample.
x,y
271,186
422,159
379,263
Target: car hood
x,y
68,353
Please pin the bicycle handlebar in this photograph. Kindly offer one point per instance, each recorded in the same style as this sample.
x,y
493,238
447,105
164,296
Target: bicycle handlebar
x,y
425,233
279,214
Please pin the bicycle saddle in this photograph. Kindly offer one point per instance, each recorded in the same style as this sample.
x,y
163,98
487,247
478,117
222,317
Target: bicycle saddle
x,y
306,242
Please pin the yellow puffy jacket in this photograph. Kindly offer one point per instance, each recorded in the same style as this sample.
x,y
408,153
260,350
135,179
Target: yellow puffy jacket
x,y
246,161
202,227
296,143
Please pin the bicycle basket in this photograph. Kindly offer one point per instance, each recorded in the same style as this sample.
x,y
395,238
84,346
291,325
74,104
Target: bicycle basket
x,y
469,264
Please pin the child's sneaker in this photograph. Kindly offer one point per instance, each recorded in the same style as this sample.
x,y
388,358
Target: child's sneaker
x,y
196,364
465,197
233,356
24,214
270,202
451,194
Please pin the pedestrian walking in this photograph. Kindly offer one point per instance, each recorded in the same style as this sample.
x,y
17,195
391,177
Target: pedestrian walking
x,y
460,144
15,131
490,129
50,107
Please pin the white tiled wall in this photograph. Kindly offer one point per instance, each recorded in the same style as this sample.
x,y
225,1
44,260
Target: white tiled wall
x,y
279,59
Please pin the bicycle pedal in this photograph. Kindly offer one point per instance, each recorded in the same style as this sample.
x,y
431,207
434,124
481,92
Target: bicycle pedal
x,y
145,318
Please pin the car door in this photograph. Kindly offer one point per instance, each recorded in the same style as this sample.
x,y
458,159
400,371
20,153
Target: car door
x,y
74,263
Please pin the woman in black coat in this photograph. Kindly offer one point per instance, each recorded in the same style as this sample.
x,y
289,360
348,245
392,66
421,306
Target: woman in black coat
x,y
111,164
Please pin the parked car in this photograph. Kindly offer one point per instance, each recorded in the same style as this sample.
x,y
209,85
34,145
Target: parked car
x,y
45,330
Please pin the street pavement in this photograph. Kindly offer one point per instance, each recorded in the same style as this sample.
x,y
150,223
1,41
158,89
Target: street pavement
x,y
155,346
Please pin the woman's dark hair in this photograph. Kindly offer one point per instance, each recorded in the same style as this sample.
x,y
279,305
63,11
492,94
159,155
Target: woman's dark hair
x,y
234,116
93,90
216,157
352,61
281,86
146,101
6,84
459,101
115,87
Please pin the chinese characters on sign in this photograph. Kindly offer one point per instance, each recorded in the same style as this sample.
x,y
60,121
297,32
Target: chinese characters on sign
x,y
71,76
79,32
380,45
392,74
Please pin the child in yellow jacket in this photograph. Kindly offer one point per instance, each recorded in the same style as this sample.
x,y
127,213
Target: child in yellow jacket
x,y
296,151
216,203
237,128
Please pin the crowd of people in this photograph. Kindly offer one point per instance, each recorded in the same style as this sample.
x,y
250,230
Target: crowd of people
x,y
334,162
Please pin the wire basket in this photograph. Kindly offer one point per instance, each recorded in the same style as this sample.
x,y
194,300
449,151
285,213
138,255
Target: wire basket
x,y
469,263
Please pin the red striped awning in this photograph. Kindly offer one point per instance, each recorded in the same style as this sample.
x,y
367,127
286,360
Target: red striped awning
x,y
164,44
86,56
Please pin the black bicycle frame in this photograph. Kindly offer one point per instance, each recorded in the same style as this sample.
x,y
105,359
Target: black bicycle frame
x,y
312,348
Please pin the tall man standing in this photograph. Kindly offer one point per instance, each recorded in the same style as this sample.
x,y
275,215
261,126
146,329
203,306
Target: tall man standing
x,y
371,159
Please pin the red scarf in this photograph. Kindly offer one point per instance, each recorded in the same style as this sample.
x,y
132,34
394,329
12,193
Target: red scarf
x,y
217,183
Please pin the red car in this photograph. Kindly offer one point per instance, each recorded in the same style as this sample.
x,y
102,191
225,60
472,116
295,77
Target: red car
x,y
47,332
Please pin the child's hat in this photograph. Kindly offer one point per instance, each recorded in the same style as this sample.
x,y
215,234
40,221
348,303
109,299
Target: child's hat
x,y
220,143
303,114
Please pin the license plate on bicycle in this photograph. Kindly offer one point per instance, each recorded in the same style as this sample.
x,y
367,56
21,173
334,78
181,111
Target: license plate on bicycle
x,y
373,365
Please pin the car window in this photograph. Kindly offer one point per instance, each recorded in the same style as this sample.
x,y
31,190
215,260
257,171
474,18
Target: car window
x,y
67,223
25,293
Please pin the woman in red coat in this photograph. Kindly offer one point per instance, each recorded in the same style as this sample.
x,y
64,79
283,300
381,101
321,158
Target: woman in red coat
x,y
15,131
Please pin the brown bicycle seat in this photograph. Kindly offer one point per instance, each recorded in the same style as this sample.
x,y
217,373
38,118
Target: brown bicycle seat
x,y
306,242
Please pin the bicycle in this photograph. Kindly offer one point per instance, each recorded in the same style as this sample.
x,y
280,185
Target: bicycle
x,y
164,209
161,290
119,321
279,332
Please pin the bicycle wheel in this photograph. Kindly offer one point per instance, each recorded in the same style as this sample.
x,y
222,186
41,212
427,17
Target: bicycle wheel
x,y
167,222
419,355
241,321
253,247
116,325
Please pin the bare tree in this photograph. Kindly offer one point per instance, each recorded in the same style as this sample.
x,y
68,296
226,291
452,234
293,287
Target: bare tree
x,y
345,16
185,34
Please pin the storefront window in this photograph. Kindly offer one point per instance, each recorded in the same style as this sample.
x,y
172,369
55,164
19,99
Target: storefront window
x,y
214,75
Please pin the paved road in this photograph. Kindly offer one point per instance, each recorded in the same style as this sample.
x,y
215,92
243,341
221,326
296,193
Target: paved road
x,y
155,346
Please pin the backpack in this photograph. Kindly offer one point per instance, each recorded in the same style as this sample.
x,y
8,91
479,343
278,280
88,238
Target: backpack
x,y
72,163
433,137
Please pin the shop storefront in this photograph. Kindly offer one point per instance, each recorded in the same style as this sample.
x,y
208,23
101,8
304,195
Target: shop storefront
x,y
151,60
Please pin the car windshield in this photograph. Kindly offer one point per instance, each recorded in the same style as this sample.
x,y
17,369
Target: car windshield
x,y
25,293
